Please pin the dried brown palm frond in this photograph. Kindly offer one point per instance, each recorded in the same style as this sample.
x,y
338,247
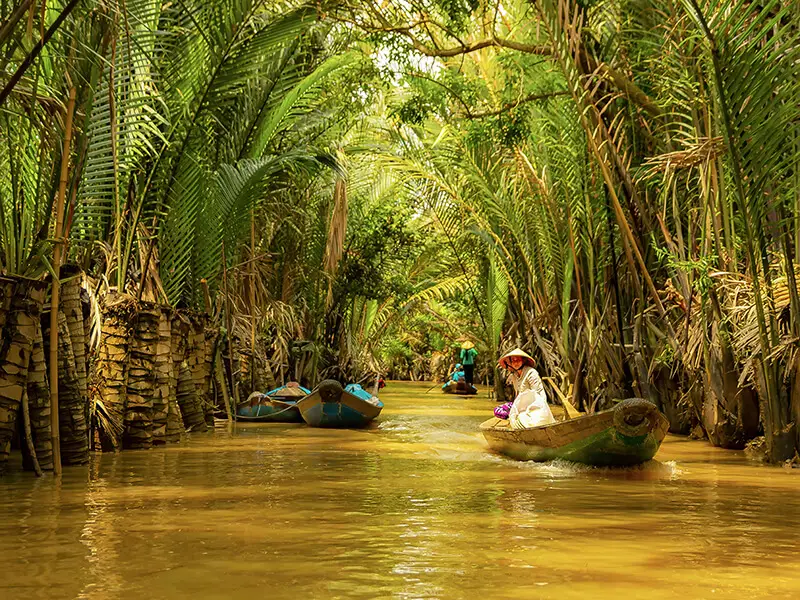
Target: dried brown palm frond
x,y
337,228
151,288
283,326
90,286
738,303
781,290
671,296
104,422
105,255
693,355
702,151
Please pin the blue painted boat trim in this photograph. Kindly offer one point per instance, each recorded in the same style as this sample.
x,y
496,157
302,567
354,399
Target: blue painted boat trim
x,y
358,391
350,411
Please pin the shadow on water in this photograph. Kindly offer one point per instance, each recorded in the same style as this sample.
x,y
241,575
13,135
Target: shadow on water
x,y
415,507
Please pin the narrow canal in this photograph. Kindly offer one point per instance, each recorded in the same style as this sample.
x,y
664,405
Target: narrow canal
x,y
413,508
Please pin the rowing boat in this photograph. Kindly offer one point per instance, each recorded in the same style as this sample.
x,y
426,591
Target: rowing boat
x,y
278,405
330,405
460,387
628,434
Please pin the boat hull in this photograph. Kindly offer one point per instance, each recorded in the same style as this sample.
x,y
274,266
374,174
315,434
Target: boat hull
x,y
274,410
627,435
462,388
277,406
340,409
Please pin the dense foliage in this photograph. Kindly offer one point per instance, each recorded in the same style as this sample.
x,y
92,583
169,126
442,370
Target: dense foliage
x,y
610,183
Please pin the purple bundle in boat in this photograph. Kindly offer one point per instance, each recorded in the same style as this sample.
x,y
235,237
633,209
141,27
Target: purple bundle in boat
x,y
502,411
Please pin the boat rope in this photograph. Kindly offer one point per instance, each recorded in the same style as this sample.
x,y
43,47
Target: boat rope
x,y
275,414
283,411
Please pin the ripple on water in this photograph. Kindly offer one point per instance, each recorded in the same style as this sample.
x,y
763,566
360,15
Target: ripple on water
x,y
651,470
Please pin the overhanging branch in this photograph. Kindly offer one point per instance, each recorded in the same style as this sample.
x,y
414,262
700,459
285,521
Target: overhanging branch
x,y
512,105
475,46
379,23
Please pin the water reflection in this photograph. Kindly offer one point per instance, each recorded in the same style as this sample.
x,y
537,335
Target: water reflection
x,y
413,508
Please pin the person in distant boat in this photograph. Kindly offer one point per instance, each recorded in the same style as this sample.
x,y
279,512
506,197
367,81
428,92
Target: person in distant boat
x,y
467,357
458,373
529,408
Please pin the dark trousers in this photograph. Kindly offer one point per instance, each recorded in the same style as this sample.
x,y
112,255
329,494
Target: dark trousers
x,y
468,371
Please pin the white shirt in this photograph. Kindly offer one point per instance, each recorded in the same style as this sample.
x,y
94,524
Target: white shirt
x,y
530,408
528,379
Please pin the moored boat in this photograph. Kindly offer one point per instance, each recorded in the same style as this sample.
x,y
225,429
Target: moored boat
x,y
330,405
628,434
278,405
459,387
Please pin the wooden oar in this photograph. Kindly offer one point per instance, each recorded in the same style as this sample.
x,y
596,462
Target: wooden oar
x,y
571,411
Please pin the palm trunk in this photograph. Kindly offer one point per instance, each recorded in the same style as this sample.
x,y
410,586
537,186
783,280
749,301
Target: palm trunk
x,y
163,368
72,425
8,287
26,298
730,411
210,335
28,450
178,331
111,370
222,384
86,306
39,404
794,406
141,381
779,432
669,390
196,361
185,361
262,375
191,411
73,309
245,364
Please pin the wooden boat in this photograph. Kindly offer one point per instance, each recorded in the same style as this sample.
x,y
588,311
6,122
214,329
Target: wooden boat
x,y
459,387
329,405
278,405
628,434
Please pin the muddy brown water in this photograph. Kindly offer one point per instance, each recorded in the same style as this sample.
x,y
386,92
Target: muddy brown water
x,y
412,508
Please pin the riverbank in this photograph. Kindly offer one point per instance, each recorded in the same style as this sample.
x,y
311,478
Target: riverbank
x,y
414,508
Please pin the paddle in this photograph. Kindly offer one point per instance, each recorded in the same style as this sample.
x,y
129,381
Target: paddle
x,y
433,386
571,411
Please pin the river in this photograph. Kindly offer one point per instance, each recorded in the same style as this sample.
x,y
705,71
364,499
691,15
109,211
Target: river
x,y
412,508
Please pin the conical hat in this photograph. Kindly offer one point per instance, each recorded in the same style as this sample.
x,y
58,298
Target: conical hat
x,y
467,345
526,358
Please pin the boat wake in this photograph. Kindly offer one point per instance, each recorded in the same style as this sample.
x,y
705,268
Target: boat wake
x,y
560,469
